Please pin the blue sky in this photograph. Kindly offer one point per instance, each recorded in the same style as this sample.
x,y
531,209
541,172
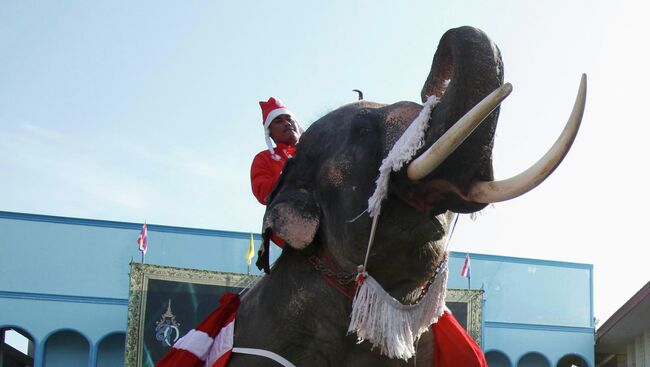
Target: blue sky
x,y
148,110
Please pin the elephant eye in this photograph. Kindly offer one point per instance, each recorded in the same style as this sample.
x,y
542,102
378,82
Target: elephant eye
x,y
360,129
362,124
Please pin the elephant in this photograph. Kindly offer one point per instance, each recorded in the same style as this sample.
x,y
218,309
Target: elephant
x,y
301,309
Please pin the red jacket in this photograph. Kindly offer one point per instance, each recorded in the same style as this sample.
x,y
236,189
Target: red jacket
x,y
265,170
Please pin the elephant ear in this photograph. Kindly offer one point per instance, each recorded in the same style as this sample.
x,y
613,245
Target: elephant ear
x,y
293,215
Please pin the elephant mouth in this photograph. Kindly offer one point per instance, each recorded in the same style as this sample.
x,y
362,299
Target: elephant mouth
x,y
426,197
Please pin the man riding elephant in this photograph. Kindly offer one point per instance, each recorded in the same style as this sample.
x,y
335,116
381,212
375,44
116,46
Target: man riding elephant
x,y
281,128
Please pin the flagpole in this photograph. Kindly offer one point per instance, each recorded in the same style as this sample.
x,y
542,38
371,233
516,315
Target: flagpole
x,y
469,283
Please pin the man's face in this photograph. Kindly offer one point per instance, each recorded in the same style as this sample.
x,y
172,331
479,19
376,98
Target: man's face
x,y
284,130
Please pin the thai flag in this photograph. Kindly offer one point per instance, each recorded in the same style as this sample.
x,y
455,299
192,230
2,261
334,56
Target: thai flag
x,y
466,271
142,239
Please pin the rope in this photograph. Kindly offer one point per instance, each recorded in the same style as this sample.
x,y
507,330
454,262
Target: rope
x,y
451,233
370,241
250,284
264,353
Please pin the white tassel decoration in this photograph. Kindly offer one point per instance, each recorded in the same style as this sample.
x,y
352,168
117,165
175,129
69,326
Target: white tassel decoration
x,y
376,316
390,325
403,150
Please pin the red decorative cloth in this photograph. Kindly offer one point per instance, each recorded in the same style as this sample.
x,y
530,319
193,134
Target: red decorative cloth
x,y
452,346
211,343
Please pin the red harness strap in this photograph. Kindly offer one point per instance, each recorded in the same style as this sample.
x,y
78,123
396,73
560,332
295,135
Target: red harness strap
x,y
347,291
341,281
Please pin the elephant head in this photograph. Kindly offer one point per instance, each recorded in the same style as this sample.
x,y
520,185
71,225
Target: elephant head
x,y
324,191
320,204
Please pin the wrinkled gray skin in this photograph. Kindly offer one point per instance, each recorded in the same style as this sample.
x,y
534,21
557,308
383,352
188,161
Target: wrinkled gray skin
x,y
293,311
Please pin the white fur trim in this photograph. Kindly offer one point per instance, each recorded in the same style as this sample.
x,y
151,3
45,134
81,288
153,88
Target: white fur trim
x,y
196,342
404,149
222,343
390,325
269,144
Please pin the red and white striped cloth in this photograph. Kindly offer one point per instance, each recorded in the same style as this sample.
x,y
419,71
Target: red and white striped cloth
x,y
211,343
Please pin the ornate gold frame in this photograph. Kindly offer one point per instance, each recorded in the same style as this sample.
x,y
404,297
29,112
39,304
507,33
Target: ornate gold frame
x,y
474,300
142,273
139,278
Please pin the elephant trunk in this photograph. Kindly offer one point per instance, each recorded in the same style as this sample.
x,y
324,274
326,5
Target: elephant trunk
x,y
466,68
453,139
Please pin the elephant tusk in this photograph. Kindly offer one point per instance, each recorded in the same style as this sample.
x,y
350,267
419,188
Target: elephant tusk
x,y
495,191
452,138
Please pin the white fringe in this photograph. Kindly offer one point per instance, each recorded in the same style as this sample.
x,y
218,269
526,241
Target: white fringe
x,y
404,149
390,325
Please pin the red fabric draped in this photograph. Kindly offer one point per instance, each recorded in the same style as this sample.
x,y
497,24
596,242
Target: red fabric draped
x,y
453,347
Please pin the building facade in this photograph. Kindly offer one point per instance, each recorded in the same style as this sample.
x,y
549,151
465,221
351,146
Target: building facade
x,y
624,339
64,292
536,312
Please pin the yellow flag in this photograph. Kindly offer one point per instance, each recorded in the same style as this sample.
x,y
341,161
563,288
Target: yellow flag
x,y
251,251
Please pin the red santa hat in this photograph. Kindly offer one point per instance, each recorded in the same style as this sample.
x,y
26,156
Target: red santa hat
x,y
270,110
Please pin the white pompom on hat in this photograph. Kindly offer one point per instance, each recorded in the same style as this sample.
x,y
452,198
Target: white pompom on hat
x,y
270,110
